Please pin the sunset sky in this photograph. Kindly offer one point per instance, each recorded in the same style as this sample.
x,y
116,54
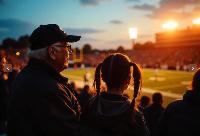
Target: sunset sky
x,y
102,23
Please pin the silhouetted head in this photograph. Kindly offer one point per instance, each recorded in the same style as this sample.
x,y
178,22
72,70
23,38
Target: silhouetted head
x,y
116,71
144,101
86,88
73,84
196,81
157,98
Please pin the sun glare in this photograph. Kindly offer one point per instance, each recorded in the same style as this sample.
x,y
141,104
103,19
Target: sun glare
x,y
170,25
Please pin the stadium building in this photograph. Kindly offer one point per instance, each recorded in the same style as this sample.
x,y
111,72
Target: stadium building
x,y
179,38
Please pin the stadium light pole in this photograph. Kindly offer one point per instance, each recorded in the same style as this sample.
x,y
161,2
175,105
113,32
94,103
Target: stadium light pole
x,y
133,32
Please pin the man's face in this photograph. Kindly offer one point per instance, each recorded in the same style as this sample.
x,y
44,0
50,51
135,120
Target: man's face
x,y
62,50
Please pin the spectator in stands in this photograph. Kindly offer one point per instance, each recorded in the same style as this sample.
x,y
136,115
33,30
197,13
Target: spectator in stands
x,y
74,89
154,112
84,96
182,117
86,77
73,85
110,113
42,102
4,95
144,102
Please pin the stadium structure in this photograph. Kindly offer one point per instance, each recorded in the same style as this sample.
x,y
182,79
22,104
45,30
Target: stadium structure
x,y
179,38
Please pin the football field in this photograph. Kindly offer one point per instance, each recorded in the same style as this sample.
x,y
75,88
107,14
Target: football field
x,y
172,84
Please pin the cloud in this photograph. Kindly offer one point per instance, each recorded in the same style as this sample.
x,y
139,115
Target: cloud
x,y
14,28
144,7
179,9
169,15
176,4
84,40
91,2
196,9
81,31
116,22
133,0
4,30
196,12
2,2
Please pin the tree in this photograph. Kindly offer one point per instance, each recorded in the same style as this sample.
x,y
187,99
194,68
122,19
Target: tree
x,y
120,49
24,41
9,43
87,48
146,45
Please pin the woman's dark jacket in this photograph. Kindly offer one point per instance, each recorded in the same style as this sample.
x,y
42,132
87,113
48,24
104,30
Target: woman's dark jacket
x,y
110,115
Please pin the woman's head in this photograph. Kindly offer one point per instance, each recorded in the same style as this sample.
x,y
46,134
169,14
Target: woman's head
x,y
196,81
116,72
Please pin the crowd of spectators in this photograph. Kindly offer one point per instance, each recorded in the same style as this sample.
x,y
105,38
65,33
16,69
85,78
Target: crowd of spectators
x,y
176,58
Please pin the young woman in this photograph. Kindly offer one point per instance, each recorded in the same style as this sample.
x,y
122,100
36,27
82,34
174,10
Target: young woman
x,y
110,113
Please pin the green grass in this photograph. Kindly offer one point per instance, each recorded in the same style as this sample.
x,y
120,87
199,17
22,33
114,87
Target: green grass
x,y
167,81
77,74
172,80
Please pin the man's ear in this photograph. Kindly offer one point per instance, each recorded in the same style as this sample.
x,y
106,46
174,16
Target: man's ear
x,y
51,53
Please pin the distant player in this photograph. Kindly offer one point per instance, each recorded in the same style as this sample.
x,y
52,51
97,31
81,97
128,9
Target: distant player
x,y
156,73
87,77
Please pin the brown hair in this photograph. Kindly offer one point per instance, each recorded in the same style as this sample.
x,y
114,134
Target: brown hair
x,y
115,71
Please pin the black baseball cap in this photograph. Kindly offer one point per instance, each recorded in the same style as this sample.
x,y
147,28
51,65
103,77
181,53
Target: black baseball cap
x,y
45,35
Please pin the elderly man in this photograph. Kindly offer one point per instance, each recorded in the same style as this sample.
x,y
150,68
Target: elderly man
x,y
42,102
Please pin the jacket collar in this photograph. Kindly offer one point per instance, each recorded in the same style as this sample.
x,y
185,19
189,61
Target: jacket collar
x,y
45,67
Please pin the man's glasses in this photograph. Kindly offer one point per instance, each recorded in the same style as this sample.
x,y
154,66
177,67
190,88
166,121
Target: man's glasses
x,y
68,46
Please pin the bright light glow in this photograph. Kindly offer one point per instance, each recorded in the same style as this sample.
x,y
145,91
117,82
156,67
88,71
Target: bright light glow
x,y
133,32
17,53
196,21
170,25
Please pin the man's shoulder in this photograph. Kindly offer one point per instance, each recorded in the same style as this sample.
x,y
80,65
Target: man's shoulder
x,y
176,104
29,75
175,107
33,80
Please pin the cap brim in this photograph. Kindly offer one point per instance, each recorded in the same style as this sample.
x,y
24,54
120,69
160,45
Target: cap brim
x,y
73,38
